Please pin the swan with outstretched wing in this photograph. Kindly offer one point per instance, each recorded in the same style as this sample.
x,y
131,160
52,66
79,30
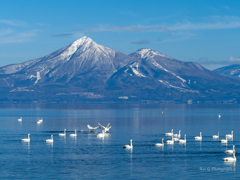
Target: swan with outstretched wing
x,y
93,128
106,128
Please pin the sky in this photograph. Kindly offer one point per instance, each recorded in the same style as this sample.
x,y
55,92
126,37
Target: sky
x,y
202,31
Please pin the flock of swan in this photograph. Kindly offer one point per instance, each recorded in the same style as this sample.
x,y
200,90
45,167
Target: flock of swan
x,y
228,136
175,137
100,135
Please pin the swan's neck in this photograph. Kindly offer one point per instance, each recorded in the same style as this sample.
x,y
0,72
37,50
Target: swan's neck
x,y
234,155
131,143
185,137
162,141
218,133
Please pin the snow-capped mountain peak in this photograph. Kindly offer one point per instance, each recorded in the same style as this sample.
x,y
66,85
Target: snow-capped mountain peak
x,y
146,53
84,42
76,64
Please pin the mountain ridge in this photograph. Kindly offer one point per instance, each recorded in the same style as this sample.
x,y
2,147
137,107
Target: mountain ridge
x,y
86,70
83,56
232,71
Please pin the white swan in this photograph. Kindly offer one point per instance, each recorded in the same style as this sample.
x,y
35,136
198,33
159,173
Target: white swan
x,y
129,146
49,140
230,135
216,136
93,128
160,144
74,135
26,139
231,159
63,134
183,140
224,140
39,121
219,115
198,137
170,141
178,135
100,135
106,128
169,133
20,119
230,151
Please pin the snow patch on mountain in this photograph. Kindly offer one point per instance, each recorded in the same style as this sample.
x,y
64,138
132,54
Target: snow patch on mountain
x,y
137,73
234,72
13,68
135,70
38,78
19,89
159,66
176,87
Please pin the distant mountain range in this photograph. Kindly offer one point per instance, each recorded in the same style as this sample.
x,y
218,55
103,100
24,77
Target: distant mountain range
x,y
86,71
232,71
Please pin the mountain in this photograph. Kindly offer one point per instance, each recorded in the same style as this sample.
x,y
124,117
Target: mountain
x,y
167,78
82,64
86,71
232,71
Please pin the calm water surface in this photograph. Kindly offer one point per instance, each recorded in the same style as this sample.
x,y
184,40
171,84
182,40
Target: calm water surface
x,y
89,157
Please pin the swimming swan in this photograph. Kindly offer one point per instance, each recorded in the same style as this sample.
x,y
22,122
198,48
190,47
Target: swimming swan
x,y
230,151
93,128
49,140
129,146
63,134
74,135
231,159
26,140
224,140
100,135
170,141
178,135
39,121
230,135
198,137
169,133
20,119
183,140
216,136
160,144
106,129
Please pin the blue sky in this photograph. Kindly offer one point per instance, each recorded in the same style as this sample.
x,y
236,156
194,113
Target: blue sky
x,y
203,31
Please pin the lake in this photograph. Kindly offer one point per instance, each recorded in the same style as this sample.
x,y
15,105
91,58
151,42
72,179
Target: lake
x,y
89,157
